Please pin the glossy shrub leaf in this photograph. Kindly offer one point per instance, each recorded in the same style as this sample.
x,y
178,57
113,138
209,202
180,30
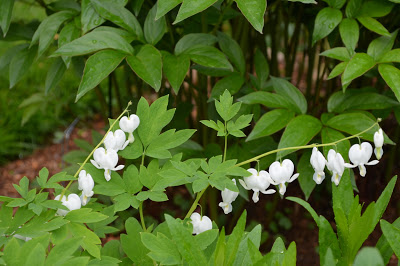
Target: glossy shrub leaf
x,y
376,9
391,75
97,68
339,53
373,25
270,100
391,56
254,11
368,256
305,1
353,8
175,69
382,45
190,40
6,8
233,83
48,28
67,34
90,19
356,100
6,57
325,22
55,74
349,32
337,70
291,93
354,123
164,6
232,49
270,123
261,65
304,168
357,66
147,64
208,56
119,15
20,64
335,3
299,131
192,7
93,42
154,29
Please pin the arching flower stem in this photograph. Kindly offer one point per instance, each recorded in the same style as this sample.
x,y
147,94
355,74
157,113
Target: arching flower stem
x,y
91,153
310,146
196,201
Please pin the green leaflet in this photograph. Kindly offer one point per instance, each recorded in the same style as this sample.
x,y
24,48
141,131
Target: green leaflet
x,y
254,11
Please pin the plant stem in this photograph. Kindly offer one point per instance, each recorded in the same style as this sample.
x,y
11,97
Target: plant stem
x,y
194,205
226,143
306,146
141,216
91,153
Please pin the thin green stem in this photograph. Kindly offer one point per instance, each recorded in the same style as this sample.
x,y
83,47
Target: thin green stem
x,y
91,153
196,201
143,158
141,216
226,143
306,146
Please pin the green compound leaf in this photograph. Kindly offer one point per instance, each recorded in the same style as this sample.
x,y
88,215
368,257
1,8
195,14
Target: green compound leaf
x,y
254,11
225,108
147,64
163,249
97,68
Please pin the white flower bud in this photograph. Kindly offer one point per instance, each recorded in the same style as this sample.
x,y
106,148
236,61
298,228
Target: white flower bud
x,y
73,202
129,124
200,224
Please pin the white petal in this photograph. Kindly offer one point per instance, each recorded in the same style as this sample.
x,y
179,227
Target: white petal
x,y
95,164
119,167
374,162
243,184
269,191
255,196
294,177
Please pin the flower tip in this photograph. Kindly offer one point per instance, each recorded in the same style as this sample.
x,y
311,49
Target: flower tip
x,y
379,119
129,103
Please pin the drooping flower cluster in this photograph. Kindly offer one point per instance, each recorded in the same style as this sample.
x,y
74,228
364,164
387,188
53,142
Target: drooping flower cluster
x,y
281,173
107,158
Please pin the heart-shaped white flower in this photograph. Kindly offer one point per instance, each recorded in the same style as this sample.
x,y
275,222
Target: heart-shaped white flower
x,y
359,155
318,162
73,202
116,140
378,141
281,173
129,124
336,165
258,182
200,224
107,160
228,196
86,184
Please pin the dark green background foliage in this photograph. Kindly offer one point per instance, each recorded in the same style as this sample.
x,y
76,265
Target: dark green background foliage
x,y
248,75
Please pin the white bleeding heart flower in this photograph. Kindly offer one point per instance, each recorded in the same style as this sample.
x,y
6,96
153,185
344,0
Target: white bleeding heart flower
x,y
200,224
359,155
258,182
378,141
228,196
116,140
129,124
336,165
282,173
73,202
86,184
318,162
107,160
